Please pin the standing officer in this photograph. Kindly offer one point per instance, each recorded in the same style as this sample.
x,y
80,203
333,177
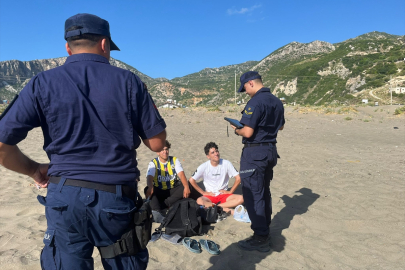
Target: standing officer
x,y
93,117
262,118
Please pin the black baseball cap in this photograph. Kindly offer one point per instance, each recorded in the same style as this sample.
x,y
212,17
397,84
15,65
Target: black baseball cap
x,y
89,24
248,76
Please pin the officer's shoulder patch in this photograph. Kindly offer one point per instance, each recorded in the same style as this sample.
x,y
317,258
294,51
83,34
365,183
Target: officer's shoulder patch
x,y
248,111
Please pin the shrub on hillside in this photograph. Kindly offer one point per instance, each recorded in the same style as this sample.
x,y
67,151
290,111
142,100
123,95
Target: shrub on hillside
x,y
399,110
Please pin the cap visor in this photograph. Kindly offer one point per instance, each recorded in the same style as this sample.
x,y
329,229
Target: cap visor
x,y
113,47
241,89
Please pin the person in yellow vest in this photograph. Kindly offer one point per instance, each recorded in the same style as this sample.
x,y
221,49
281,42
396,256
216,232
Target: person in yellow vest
x,y
166,182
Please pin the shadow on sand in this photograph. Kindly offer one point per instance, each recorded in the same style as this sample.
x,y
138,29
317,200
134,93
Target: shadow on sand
x,y
235,258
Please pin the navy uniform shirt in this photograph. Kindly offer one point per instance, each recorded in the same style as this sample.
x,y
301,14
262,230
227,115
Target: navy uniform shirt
x,y
265,114
92,116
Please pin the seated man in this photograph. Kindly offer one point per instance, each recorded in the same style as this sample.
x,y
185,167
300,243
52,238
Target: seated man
x,y
215,174
163,185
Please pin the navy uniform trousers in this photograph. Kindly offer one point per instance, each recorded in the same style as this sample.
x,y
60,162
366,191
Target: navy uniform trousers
x,y
256,171
81,218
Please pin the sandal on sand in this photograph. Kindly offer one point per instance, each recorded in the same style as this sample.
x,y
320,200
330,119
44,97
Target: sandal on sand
x,y
174,239
210,246
155,236
192,245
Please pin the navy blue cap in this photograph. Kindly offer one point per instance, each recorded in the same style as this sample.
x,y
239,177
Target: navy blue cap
x,y
248,76
89,24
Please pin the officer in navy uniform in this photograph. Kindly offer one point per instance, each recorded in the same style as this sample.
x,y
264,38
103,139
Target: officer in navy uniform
x,y
93,116
262,118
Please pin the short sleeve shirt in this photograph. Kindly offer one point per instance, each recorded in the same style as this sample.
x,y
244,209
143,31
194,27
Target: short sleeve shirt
x,y
215,178
152,168
265,114
93,117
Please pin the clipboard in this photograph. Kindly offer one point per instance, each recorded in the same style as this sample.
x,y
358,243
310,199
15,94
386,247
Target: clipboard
x,y
234,122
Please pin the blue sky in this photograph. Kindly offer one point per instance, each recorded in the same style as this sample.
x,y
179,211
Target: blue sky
x,y
175,38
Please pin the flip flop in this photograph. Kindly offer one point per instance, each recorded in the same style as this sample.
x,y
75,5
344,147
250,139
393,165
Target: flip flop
x,y
155,236
174,239
210,246
192,245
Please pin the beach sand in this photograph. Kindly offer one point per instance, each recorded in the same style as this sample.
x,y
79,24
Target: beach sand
x,y
338,193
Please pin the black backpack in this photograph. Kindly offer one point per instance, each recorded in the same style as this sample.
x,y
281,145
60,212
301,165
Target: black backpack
x,y
183,218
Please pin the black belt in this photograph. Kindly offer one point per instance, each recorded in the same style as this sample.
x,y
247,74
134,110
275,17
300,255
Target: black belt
x,y
127,191
257,144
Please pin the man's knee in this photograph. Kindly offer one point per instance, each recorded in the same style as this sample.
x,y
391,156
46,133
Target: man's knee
x,y
235,198
239,199
201,200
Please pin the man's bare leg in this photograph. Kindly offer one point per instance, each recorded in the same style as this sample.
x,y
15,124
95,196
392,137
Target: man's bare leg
x,y
204,201
232,201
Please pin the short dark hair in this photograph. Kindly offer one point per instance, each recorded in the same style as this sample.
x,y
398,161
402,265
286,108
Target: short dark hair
x,y
210,145
84,40
167,144
258,80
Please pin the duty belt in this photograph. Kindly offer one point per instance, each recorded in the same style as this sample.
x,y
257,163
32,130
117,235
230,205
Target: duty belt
x,y
257,144
127,191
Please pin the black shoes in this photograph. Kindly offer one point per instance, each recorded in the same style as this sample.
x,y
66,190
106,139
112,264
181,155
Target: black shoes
x,y
256,242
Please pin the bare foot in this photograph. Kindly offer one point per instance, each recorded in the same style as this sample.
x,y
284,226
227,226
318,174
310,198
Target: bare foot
x,y
227,210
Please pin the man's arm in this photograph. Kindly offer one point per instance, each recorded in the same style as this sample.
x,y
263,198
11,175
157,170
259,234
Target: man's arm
x,y
13,159
202,192
149,182
246,131
236,184
234,187
183,180
156,143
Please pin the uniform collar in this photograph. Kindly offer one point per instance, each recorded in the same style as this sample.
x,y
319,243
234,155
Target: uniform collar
x,y
262,90
86,57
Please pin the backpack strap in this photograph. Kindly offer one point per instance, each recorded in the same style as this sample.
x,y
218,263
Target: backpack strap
x,y
193,216
184,214
188,214
169,217
185,218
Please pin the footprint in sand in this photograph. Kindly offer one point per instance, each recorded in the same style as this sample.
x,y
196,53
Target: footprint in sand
x,y
24,260
24,212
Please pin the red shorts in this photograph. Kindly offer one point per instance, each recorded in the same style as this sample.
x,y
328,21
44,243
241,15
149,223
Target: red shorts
x,y
221,198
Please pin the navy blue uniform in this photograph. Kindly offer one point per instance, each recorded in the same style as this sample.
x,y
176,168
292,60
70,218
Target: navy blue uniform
x,y
93,117
265,114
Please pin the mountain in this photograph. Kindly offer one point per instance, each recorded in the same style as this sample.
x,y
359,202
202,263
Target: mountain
x,y
320,72
308,73
208,86
14,74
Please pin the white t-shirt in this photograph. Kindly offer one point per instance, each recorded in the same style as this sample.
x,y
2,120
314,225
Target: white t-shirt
x,y
215,178
152,169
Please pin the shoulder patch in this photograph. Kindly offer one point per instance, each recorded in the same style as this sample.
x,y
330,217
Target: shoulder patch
x,y
248,111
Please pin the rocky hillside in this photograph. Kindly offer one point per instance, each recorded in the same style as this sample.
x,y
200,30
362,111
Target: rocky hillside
x,y
208,86
322,73
14,74
312,73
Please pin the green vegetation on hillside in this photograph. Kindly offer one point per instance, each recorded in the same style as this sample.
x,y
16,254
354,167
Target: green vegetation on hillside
x,y
374,60
314,73
399,111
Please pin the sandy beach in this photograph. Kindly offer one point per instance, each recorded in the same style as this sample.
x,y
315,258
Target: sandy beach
x,y
338,193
